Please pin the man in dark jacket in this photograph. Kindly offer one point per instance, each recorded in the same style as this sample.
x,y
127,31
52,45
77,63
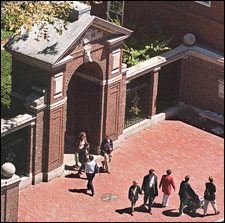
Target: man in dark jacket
x,y
149,186
106,152
184,193
133,195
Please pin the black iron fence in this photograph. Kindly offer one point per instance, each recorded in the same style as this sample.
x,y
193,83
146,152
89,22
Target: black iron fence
x,y
14,150
136,101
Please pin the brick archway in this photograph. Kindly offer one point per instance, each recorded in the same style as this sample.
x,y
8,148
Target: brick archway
x,y
82,68
84,102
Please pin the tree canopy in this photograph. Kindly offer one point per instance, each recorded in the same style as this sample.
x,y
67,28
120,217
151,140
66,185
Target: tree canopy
x,y
15,14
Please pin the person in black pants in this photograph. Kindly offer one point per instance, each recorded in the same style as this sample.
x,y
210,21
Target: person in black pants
x,y
184,193
83,156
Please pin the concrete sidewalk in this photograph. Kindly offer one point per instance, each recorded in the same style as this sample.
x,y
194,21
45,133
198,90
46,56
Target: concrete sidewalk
x,y
170,144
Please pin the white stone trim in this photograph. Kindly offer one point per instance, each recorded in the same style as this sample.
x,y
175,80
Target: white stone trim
x,y
180,52
57,104
101,82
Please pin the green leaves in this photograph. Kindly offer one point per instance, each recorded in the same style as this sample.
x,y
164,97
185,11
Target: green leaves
x,y
6,68
139,46
14,14
133,56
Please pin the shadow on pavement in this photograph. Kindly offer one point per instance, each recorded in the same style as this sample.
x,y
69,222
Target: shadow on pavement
x,y
84,191
75,175
171,213
192,213
157,205
73,167
123,211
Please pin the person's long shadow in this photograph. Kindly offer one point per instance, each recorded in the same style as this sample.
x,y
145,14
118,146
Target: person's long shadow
x,y
74,175
75,190
192,213
141,208
171,213
73,167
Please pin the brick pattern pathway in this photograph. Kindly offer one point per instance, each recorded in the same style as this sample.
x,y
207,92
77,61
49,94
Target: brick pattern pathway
x,y
170,144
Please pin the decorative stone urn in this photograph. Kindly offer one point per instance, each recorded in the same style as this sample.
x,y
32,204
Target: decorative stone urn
x,y
8,170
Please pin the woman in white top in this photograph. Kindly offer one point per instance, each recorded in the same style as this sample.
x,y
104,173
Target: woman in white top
x,y
90,172
82,139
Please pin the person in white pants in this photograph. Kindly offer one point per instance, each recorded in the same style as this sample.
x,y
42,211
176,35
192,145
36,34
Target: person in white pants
x,y
166,182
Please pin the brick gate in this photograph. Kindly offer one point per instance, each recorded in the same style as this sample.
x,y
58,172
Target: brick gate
x,y
78,76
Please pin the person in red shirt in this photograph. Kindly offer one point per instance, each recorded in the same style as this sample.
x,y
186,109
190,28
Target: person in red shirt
x,y
166,182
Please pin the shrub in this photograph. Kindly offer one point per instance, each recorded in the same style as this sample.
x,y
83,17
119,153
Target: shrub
x,y
6,68
6,34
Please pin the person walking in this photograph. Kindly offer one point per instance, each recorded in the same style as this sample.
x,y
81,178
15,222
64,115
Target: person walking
x,y
107,152
83,156
133,194
210,196
149,186
81,140
90,173
166,182
184,193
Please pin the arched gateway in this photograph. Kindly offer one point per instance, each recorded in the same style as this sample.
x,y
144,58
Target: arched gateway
x,y
77,75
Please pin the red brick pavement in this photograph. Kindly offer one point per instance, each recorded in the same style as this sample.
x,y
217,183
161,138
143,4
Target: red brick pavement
x,y
170,144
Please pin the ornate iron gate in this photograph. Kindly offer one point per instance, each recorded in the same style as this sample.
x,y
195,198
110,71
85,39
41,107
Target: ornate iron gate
x,y
14,150
136,101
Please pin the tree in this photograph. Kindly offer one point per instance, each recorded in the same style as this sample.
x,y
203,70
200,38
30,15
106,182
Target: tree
x,y
6,67
15,14
140,46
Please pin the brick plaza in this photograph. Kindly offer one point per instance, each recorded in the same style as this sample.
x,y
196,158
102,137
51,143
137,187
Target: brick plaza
x,y
170,144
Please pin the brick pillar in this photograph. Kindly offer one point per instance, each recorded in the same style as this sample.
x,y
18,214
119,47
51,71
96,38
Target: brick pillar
x,y
35,104
10,199
153,91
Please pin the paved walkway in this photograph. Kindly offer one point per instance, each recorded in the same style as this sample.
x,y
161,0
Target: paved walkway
x,y
169,144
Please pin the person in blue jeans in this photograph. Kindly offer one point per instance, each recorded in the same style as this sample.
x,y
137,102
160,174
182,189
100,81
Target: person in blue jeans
x,y
90,173
149,186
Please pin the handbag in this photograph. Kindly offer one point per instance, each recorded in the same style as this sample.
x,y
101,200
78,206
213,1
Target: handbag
x,y
96,167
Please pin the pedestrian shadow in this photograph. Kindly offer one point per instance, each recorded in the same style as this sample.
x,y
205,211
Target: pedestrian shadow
x,y
75,190
156,205
171,213
141,208
73,167
186,211
123,211
74,175
192,213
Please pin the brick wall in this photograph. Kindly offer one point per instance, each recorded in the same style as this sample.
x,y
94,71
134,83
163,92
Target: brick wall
x,y
177,18
199,84
10,199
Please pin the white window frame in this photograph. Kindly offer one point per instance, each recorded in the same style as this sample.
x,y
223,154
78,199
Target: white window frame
x,y
109,4
221,88
204,3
